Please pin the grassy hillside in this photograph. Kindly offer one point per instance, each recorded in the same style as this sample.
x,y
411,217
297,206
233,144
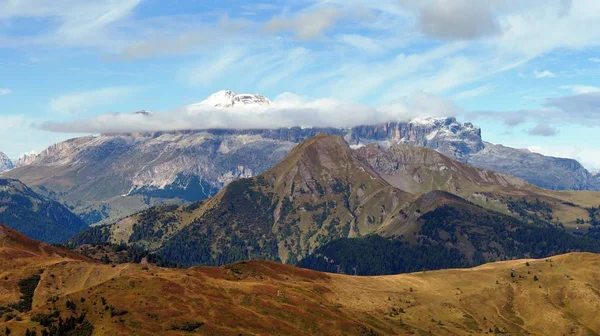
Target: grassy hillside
x,y
535,297
421,170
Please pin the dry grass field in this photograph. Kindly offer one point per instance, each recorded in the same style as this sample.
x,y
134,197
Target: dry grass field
x,y
555,296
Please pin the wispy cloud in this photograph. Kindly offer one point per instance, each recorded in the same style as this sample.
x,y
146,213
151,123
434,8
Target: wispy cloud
x,y
578,109
543,130
581,89
306,25
544,74
475,92
458,19
80,102
4,92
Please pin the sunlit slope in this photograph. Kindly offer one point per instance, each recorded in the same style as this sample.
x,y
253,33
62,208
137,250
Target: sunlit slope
x,y
554,296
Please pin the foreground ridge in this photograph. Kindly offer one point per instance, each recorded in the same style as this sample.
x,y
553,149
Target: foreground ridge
x,y
93,298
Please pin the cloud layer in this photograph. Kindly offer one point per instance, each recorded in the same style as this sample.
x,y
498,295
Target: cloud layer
x,y
288,110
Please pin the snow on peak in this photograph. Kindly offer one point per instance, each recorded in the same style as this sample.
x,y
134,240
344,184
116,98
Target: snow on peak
x,y
5,163
429,121
226,98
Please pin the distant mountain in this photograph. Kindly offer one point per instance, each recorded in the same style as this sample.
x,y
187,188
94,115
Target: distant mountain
x,y
323,191
231,99
420,170
5,163
37,217
111,176
544,171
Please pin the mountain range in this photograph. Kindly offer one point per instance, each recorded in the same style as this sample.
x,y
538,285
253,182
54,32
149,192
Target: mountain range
x,y
323,192
51,291
108,177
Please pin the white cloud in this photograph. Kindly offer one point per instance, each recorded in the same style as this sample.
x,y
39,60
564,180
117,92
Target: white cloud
x,y
362,43
306,25
543,130
4,92
458,19
544,74
475,92
71,22
79,102
288,110
595,59
581,89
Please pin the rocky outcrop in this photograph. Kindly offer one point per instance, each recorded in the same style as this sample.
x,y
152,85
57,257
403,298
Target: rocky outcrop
x,y
5,163
446,135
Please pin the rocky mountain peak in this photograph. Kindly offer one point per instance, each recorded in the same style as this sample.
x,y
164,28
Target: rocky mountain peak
x,y
227,98
446,135
5,163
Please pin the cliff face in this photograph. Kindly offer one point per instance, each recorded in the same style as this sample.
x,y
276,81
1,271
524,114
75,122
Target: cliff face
x,y
446,135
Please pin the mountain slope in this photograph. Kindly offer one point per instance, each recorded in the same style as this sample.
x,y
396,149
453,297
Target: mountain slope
x,y
420,170
445,231
319,192
34,215
324,191
266,298
5,163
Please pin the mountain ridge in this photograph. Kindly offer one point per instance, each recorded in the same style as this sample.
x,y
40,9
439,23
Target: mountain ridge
x,y
108,177
46,288
323,191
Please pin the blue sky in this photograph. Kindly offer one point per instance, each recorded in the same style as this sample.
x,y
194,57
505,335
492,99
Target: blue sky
x,y
527,72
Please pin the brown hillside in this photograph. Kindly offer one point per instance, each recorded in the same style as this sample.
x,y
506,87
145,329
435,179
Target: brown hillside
x,y
267,298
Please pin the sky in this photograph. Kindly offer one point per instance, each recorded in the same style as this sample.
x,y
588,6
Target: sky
x,y
526,72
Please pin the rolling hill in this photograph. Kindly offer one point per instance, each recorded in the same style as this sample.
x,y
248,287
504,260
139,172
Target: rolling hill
x,y
56,291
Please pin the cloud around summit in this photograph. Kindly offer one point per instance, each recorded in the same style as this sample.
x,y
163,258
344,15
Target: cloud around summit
x,y
288,110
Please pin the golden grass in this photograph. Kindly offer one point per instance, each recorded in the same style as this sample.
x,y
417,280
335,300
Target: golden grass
x,y
266,298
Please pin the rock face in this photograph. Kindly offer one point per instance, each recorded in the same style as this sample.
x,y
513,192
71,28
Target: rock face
x,y
446,135
5,163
